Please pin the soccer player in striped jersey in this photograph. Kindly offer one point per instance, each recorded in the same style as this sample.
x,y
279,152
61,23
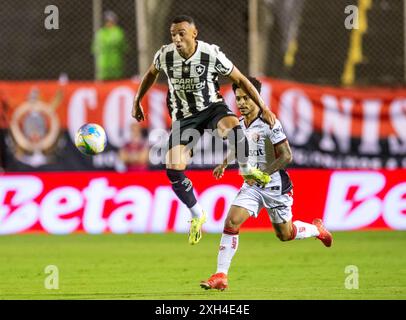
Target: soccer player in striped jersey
x,y
269,150
195,104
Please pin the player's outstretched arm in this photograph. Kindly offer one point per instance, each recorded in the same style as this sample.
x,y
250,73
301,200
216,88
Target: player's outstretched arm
x,y
284,157
218,171
242,82
147,81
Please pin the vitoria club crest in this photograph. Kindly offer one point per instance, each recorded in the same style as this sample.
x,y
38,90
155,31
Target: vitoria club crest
x,y
35,128
255,137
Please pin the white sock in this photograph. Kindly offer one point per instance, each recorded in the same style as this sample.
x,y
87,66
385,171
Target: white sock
x,y
196,210
305,230
228,247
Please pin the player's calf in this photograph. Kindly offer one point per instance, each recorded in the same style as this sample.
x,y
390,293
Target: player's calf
x,y
182,186
296,230
285,231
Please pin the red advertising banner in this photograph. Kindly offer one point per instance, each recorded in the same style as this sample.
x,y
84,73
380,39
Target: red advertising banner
x,y
99,202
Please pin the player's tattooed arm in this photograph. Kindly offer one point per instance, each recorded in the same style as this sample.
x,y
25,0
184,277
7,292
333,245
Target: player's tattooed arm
x,y
230,158
283,157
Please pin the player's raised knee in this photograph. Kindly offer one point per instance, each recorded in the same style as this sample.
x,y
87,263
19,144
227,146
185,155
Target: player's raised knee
x,y
232,223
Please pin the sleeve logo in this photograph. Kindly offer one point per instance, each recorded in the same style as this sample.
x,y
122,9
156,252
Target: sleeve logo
x,y
221,69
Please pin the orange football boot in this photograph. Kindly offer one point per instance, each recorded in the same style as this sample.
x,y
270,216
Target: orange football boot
x,y
216,281
324,236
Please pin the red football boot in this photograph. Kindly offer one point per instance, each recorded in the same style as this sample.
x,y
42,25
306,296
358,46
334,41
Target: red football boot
x,y
216,281
324,235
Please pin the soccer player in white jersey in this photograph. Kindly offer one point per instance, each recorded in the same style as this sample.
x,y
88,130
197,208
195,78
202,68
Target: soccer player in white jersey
x,y
269,150
195,104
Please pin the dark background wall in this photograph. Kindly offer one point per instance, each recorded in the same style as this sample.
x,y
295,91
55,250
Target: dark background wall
x,y
29,51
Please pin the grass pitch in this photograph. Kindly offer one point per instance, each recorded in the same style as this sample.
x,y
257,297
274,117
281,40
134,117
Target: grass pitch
x,y
165,266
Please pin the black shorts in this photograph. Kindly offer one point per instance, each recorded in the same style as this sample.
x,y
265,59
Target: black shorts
x,y
189,130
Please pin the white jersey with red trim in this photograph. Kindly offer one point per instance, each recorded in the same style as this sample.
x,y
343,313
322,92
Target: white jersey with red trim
x,y
262,141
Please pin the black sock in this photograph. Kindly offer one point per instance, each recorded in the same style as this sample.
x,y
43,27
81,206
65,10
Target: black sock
x,y
182,186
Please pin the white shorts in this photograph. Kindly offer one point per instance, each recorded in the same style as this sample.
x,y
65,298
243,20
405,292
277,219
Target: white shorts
x,y
253,198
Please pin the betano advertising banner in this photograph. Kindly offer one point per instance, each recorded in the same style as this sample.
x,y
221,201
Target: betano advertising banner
x,y
103,202
327,127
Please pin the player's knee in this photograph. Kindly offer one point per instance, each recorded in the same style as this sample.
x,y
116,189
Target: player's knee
x,y
175,165
176,158
226,125
232,223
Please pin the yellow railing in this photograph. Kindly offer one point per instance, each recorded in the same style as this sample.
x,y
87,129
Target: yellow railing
x,y
355,54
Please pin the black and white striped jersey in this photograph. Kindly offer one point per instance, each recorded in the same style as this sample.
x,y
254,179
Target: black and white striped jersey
x,y
193,83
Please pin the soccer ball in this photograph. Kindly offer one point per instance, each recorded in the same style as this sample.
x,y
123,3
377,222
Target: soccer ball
x,y
91,139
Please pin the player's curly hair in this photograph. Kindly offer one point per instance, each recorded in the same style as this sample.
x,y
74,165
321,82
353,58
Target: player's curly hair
x,y
257,84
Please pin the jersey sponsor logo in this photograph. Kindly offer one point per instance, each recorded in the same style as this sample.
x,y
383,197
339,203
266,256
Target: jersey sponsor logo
x,y
175,69
278,133
220,68
276,130
188,84
187,184
256,153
